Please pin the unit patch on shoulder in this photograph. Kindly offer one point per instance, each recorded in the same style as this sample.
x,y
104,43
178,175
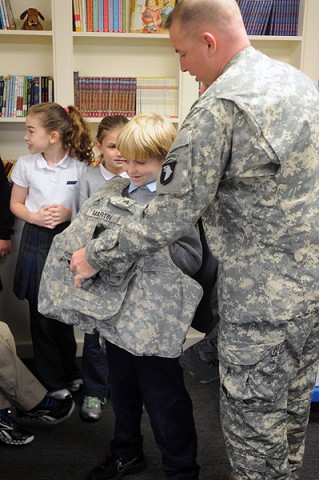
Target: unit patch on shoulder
x,y
167,172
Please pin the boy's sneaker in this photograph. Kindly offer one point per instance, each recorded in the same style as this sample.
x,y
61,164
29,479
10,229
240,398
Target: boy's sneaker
x,y
91,410
50,411
60,394
75,385
115,467
10,433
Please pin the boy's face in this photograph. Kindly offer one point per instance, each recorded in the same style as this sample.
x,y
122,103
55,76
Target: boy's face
x,y
142,172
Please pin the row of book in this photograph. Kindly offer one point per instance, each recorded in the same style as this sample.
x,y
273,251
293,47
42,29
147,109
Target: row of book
x,y
270,17
99,15
157,95
261,17
7,21
102,96
19,92
121,15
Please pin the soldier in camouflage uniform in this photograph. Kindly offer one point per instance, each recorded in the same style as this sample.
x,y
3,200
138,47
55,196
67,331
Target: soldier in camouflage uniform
x,y
246,158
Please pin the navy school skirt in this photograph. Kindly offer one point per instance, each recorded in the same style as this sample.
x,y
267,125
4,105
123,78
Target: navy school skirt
x,y
34,247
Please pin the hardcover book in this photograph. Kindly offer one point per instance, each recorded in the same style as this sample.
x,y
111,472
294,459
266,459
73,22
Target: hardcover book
x,y
149,16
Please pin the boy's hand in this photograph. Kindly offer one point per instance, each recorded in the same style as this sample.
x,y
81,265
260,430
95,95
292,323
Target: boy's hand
x,y
81,267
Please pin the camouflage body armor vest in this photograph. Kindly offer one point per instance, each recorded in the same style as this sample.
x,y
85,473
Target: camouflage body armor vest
x,y
145,308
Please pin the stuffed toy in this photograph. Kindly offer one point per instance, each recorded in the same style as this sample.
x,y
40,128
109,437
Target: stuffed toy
x,y
32,21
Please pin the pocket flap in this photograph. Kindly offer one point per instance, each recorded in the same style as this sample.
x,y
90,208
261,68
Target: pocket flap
x,y
247,353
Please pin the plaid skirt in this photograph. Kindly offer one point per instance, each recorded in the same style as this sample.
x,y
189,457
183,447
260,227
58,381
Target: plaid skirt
x,y
34,247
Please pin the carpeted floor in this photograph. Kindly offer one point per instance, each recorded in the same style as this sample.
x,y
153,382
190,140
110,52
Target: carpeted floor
x,y
70,450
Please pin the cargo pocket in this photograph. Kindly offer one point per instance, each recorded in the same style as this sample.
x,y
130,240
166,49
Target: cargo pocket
x,y
254,373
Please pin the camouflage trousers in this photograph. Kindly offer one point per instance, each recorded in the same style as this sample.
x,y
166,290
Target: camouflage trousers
x,y
266,391
18,386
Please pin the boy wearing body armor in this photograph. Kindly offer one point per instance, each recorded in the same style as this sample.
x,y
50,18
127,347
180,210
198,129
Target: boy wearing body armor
x,y
144,310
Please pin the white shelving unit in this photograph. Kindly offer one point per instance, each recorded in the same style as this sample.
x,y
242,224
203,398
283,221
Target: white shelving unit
x,y
58,51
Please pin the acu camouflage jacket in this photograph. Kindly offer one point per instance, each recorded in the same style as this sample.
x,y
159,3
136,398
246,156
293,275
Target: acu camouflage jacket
x,y
145,307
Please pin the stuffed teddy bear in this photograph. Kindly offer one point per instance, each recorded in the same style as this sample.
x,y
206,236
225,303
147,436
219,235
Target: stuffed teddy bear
x,y
32,21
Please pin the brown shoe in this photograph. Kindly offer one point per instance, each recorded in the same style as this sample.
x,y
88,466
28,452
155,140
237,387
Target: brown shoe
x,y
231,476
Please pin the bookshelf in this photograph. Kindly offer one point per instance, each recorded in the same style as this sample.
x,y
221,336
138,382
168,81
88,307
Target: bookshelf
x,y
58,51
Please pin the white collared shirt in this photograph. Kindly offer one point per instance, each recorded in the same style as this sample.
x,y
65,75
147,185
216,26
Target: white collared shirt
x,y
47,184
107,175
149,186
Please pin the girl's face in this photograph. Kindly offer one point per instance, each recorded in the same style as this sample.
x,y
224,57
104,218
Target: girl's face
x,y
38,140
111,157
142,172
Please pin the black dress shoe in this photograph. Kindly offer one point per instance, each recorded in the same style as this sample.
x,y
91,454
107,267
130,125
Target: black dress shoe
x,y
115,467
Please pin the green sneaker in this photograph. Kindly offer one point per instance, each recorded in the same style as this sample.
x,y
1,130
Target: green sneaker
x,y
91,410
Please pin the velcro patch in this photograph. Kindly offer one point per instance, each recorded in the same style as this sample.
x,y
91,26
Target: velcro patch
x,y
122,202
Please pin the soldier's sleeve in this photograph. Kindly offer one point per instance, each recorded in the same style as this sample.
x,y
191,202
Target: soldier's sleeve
x,y
187,184
187,252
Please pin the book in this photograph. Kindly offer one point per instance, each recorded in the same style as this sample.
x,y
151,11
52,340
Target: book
x,y
89,15
110,15
35,90
50,89
4,14
2,23
295,17
115,16
76,16
80,16
144,18
26,80
29,93
124,16
4,97
106,15
8,85
101,15
2,81
95,15
11,21
19,96
83,13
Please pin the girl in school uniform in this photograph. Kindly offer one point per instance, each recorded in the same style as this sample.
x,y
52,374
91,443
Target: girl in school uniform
x,y
95,370
60,149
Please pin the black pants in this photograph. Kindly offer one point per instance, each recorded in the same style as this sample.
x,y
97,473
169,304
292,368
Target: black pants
x,y
95,370
54,349
158,383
